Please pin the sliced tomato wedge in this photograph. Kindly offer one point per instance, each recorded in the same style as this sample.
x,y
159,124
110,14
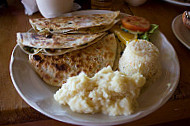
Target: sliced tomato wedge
x,y
136,23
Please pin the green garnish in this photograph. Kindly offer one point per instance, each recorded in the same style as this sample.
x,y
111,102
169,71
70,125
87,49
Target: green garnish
x,y
142,35
146,35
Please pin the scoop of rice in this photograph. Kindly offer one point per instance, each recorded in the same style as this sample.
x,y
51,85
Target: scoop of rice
x,y
140,56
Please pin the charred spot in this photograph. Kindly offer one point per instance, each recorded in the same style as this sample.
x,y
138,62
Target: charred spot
x,y
57,25
121,53
55,58
95,59
41,61
69,22
62,67
98,47
84,45
71,63
78,65
51,29
72,74
97,70
72,58
110,55
91,67
37,57
46,77
46,22
74,44
47,63
78,72
49,36
57,76
85,71
57,39
87,58
55,81
60,56
56,43
105,55
79,55
50,50
101,17
78,17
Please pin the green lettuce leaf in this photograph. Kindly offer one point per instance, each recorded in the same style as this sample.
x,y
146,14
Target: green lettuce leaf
x,y
146,35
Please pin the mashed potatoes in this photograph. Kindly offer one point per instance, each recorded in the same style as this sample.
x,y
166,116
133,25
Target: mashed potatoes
x,y
109,92
141,56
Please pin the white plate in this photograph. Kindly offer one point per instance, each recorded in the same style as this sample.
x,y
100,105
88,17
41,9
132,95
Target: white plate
x,y
40,95
181,32
178,2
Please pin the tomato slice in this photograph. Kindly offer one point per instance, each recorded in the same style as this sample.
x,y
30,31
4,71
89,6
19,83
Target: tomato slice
x,y
136,23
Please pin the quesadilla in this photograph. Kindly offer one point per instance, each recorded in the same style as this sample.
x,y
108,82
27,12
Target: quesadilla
x,y
55,70
93,23
55,44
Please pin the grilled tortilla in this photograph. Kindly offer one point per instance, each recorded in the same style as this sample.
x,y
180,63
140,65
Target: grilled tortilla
x,y
54,70
55,44
76,24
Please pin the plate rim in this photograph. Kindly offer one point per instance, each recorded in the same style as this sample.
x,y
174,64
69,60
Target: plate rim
x,y
74,121
178,2
176,34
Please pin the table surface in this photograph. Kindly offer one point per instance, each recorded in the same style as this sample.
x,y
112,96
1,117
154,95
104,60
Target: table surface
x,y
13,110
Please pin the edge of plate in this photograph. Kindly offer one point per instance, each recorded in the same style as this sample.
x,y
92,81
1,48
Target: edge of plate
x,y
173,29
178,2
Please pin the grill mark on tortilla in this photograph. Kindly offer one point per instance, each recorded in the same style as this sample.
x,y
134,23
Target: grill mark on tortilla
x,y
62,67
49,36
64,51
37,57
55,41
75,22
88,60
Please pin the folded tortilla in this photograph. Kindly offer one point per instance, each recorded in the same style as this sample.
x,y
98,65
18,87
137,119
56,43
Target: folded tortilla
x,y
55,70
76,24
55,44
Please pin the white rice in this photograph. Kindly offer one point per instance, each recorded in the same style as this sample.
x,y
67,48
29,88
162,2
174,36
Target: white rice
x,y
143,57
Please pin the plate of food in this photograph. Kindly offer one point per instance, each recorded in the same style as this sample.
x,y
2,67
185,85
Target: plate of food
x,y
181,29
179,2
94,67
